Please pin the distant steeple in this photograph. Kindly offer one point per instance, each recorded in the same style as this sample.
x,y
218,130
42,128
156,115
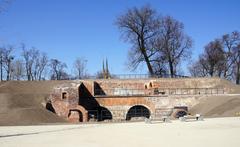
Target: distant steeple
x,y
103,70
107,71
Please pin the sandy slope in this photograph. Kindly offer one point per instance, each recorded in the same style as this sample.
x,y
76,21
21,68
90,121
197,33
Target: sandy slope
x,y
33,87
25,109
214,132
218,106
21,103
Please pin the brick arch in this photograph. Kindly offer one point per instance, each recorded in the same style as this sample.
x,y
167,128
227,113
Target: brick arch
x,y
141,102
175,114
75,116
105,112
144,103
125,103
63,108
128,115
130,101
82,110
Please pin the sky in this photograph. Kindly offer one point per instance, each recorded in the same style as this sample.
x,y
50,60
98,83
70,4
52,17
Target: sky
x,y
67,29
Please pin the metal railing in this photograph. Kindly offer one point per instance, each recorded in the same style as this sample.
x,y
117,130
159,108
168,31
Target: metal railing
x,y
131,76
158,91
120,92
144,76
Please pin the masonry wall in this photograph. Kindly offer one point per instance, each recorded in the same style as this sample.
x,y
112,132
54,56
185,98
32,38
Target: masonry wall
x,y
162,83
82,96
67,106
159,106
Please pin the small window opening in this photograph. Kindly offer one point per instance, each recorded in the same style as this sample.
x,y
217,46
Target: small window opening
x,y
64,95
156,91
150,85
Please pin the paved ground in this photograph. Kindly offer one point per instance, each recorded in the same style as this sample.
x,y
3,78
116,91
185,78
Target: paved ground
x,y
214,132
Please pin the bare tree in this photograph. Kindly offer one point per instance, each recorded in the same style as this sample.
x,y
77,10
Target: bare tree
x,y
230,44
7,61
173,44
197,69
35,63
18,70
159,66
221,58
30,57
79,66
231,66
160,42
57,68
40,65
236,66
211,62
140,26
1,62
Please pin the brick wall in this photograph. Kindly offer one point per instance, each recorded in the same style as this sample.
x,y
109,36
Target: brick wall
x,y
81,96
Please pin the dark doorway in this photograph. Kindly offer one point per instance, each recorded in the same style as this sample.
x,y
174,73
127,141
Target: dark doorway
x,y
138,112
100,114
75,115
180,113
49,107
105,114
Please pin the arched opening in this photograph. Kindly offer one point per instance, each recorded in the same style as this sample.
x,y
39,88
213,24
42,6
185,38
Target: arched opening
x,y
100,114
138,112
49,107
150,85
180,113
64,95
104,114
75,115
145,86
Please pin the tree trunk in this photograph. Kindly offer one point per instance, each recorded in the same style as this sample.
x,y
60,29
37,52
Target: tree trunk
x,y
149,65
8,71
28,75
146,58
171,69
238,74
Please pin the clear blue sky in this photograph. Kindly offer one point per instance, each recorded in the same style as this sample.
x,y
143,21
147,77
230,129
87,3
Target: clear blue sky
x,y
66,29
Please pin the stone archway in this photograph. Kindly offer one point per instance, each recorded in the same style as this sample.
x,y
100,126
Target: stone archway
x,y
104,114
138,112
100,113
179,113
77,114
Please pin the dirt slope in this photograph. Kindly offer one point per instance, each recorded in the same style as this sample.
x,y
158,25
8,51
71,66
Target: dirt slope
x,y
21,103
234,89
218,106
33,87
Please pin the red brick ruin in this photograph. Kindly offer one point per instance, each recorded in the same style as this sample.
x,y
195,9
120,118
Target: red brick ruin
x,y
120,100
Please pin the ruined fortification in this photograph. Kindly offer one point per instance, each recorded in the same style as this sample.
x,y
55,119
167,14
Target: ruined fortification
x,y
126,99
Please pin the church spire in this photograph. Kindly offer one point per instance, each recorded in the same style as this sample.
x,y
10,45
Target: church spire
x,y
103,68
107,71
